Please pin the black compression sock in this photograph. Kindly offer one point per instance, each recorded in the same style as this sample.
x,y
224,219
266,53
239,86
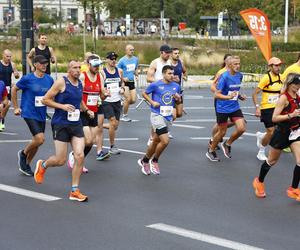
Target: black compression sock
x,y
265,167
87,149
296,177
155,159
145,159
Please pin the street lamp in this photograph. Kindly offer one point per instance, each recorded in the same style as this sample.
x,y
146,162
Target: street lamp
x,y
161,19
286,21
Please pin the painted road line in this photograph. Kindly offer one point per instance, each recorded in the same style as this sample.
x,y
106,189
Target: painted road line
x,y
186,126
123,139
7,133
28,193
208,138
13,141
250,134
125,150
205,120
202,237
212,108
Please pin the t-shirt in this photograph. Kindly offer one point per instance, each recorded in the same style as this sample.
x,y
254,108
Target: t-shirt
x,y
294,68
163,93
3,91
270,92
228,83
128,65
33,90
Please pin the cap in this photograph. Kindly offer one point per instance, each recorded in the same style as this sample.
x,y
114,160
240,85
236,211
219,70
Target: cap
x,y
111,55
40,59
165,48
274,61
94,60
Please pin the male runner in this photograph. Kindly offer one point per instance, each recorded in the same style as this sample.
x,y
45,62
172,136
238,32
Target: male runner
x,y
164,94
270,86
7,68
227,106
129,65
34,86
65,96
3,99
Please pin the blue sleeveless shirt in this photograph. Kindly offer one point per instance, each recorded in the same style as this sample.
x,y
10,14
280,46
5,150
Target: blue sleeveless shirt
x,y
178,70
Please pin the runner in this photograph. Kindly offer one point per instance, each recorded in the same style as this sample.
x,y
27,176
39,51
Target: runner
x,y
7,68
92,88
270,86
286,134
34,86
44,50
164,94
112,107
129,65
65,96
3,99
180,75
154,72
227,106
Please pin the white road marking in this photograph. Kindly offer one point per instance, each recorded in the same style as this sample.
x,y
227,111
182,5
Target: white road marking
x,y
7,133
250,134
125,150
202,237
13,141
212,108
207,138
28,193
205,120
123,139
186,126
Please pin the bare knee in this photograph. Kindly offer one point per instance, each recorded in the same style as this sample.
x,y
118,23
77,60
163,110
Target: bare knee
x,y
61,161
79,156
39,139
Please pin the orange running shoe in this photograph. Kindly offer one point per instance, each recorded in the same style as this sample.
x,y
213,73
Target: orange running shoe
x,y
293,193
77,196
259,188
39,172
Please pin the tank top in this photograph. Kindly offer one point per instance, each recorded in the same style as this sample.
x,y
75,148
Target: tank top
x,y
112,83
71,95
91,92
5,73
178,71
159,65
46,53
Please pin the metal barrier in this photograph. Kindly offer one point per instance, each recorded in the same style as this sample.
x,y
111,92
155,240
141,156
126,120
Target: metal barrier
x,y
141,83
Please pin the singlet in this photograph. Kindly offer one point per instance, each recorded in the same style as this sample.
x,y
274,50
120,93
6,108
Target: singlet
x,y
5,73
159,65
71,95
129,66
112,83
178,71
91,92
271,86
46,53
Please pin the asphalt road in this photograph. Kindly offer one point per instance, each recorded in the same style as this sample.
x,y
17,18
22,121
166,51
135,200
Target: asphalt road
x,y
193,204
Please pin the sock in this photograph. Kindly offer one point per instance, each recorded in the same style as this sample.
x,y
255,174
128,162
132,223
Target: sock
x,y
74,188
155,159
111,146
87,149
98,152
145,159
296,177
262,149
265,167
44,165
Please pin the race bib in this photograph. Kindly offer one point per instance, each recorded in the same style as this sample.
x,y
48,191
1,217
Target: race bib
x,y
273,99
294,134
113,87
92,100
166,110
74,116
130,67
8,89
38,101
234,98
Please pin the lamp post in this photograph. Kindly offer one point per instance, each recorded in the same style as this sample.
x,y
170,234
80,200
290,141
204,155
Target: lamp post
x,y
286,21
60,15
161,19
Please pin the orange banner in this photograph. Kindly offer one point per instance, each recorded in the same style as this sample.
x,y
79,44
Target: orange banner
x,y
259,25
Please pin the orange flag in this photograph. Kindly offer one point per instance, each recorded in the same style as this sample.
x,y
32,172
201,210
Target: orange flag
x,y
259,25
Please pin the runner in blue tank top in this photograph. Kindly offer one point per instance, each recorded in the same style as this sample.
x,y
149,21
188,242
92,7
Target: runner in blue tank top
x,y
66,96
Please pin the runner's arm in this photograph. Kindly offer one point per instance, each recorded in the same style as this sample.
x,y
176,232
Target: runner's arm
x,y
14,100
53,57
30,57
151,72
15,71
184,72
280,105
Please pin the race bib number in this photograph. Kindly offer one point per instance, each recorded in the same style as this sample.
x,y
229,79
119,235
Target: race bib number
x,y
294,134
235,97
130,67
113,87
38,101
92,100
273,99
8,89
166,110
74,116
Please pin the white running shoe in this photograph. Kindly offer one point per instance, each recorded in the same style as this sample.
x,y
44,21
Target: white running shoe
x,y
170,135
259,137
125,118
71,162
261,155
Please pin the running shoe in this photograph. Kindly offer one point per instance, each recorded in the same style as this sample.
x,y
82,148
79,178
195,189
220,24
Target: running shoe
x,y
170,135
125,118
2,126
212,156
39,172
77,196
259,188
154,168
48,117
145,167
210,142
287,150
71,162
114,150
24,168
259,137
103,155
293,193
150,140
261,155
226,149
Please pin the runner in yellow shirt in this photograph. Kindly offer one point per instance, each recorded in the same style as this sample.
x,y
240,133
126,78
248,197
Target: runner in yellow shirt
x,y
269,86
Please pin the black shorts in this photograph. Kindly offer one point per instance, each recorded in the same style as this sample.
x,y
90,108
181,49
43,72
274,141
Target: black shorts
x,y
280,139
266,117
87,121
35,126
112,109
100,110
130,85
65,132
222,118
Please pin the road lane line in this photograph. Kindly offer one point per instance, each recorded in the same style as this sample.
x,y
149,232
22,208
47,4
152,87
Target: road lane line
x,y
202,237
186,126
205,120
250,134
125,150
207,138
8,141
7,133
123,139
28,193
